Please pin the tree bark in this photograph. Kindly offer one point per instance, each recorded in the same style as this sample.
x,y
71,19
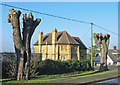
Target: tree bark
x,y
22,46
102,41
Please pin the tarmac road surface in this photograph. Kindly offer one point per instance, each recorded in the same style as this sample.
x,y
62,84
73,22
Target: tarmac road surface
x,y
86,79
115,81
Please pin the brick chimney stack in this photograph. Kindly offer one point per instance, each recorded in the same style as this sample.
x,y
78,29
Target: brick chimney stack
x,y
114,47
54,39
54,36
40,38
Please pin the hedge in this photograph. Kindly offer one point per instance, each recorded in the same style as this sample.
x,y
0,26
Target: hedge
x,y
59,67
47,67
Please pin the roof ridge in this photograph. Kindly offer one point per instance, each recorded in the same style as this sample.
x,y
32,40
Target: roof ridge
x,y
62,31
81,42
111,55
67,36
48,33
57,32
75,40
74,37
60,37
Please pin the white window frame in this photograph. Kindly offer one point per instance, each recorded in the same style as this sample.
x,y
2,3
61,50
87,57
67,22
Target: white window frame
x,y
63,57
50,58
43,58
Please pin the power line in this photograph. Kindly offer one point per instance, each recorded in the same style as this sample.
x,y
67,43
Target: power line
x,y
45,14
106,29
85,33
59,17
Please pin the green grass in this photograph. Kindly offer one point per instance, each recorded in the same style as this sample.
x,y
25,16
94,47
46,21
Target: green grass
x,y
56,75
84,74
73,74
93,73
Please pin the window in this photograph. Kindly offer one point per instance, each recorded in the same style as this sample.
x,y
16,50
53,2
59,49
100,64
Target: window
x,y
63,57
50,58
118,56
109,64
115,63
43,58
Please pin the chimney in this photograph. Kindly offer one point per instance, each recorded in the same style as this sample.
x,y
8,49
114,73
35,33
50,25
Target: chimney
x,y
114,47
54,36
40,37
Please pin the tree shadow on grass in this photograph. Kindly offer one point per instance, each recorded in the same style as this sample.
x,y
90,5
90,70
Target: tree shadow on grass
x,y
6,80
80,75
87,74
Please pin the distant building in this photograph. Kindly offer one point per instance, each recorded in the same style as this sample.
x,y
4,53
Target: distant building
x,y
113,57
1,57
59,46
7,56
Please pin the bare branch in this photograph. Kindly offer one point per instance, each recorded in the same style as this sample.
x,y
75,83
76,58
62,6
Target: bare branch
x,y
97,41
35,24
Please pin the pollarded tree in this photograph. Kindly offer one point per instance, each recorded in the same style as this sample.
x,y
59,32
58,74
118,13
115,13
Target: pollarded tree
x,y
102,41
22,44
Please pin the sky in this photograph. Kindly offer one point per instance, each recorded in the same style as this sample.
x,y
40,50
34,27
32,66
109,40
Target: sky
x,y
104,14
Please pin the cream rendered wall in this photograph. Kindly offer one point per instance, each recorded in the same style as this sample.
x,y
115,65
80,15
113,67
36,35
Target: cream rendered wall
x,y
50,49
36,49
43,49
109,61
74,52
64,51
70,51
50,52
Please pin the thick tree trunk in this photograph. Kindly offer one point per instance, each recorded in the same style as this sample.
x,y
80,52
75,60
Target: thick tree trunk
x,y
102,41
22,46
27,64
103,61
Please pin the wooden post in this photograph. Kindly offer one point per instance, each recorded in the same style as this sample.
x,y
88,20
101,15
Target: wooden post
x,y
91,44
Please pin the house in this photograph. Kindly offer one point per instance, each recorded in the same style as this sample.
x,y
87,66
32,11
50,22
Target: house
x,y
60,46
113,57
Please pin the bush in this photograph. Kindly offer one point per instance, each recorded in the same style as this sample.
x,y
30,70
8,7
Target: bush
x,y
49,67
9,66
34,63
8,69
58,67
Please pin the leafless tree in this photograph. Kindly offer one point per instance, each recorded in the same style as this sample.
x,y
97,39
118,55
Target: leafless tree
x,y
22,41
102,41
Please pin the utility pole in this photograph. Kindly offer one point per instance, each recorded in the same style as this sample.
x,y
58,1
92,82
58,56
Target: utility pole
x,y
91,44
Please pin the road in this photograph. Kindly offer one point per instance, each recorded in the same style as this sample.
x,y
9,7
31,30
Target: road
x,y
115,81
86,79
109,67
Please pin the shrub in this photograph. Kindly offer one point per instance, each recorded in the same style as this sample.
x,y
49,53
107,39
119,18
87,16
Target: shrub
x,y
8,69
9,66
34,63
58,67
49,67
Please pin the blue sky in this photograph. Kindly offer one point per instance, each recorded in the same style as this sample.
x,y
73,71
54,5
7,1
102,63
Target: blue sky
x,y
104,14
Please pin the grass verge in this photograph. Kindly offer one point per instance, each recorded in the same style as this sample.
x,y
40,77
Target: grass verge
x,y
84,74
